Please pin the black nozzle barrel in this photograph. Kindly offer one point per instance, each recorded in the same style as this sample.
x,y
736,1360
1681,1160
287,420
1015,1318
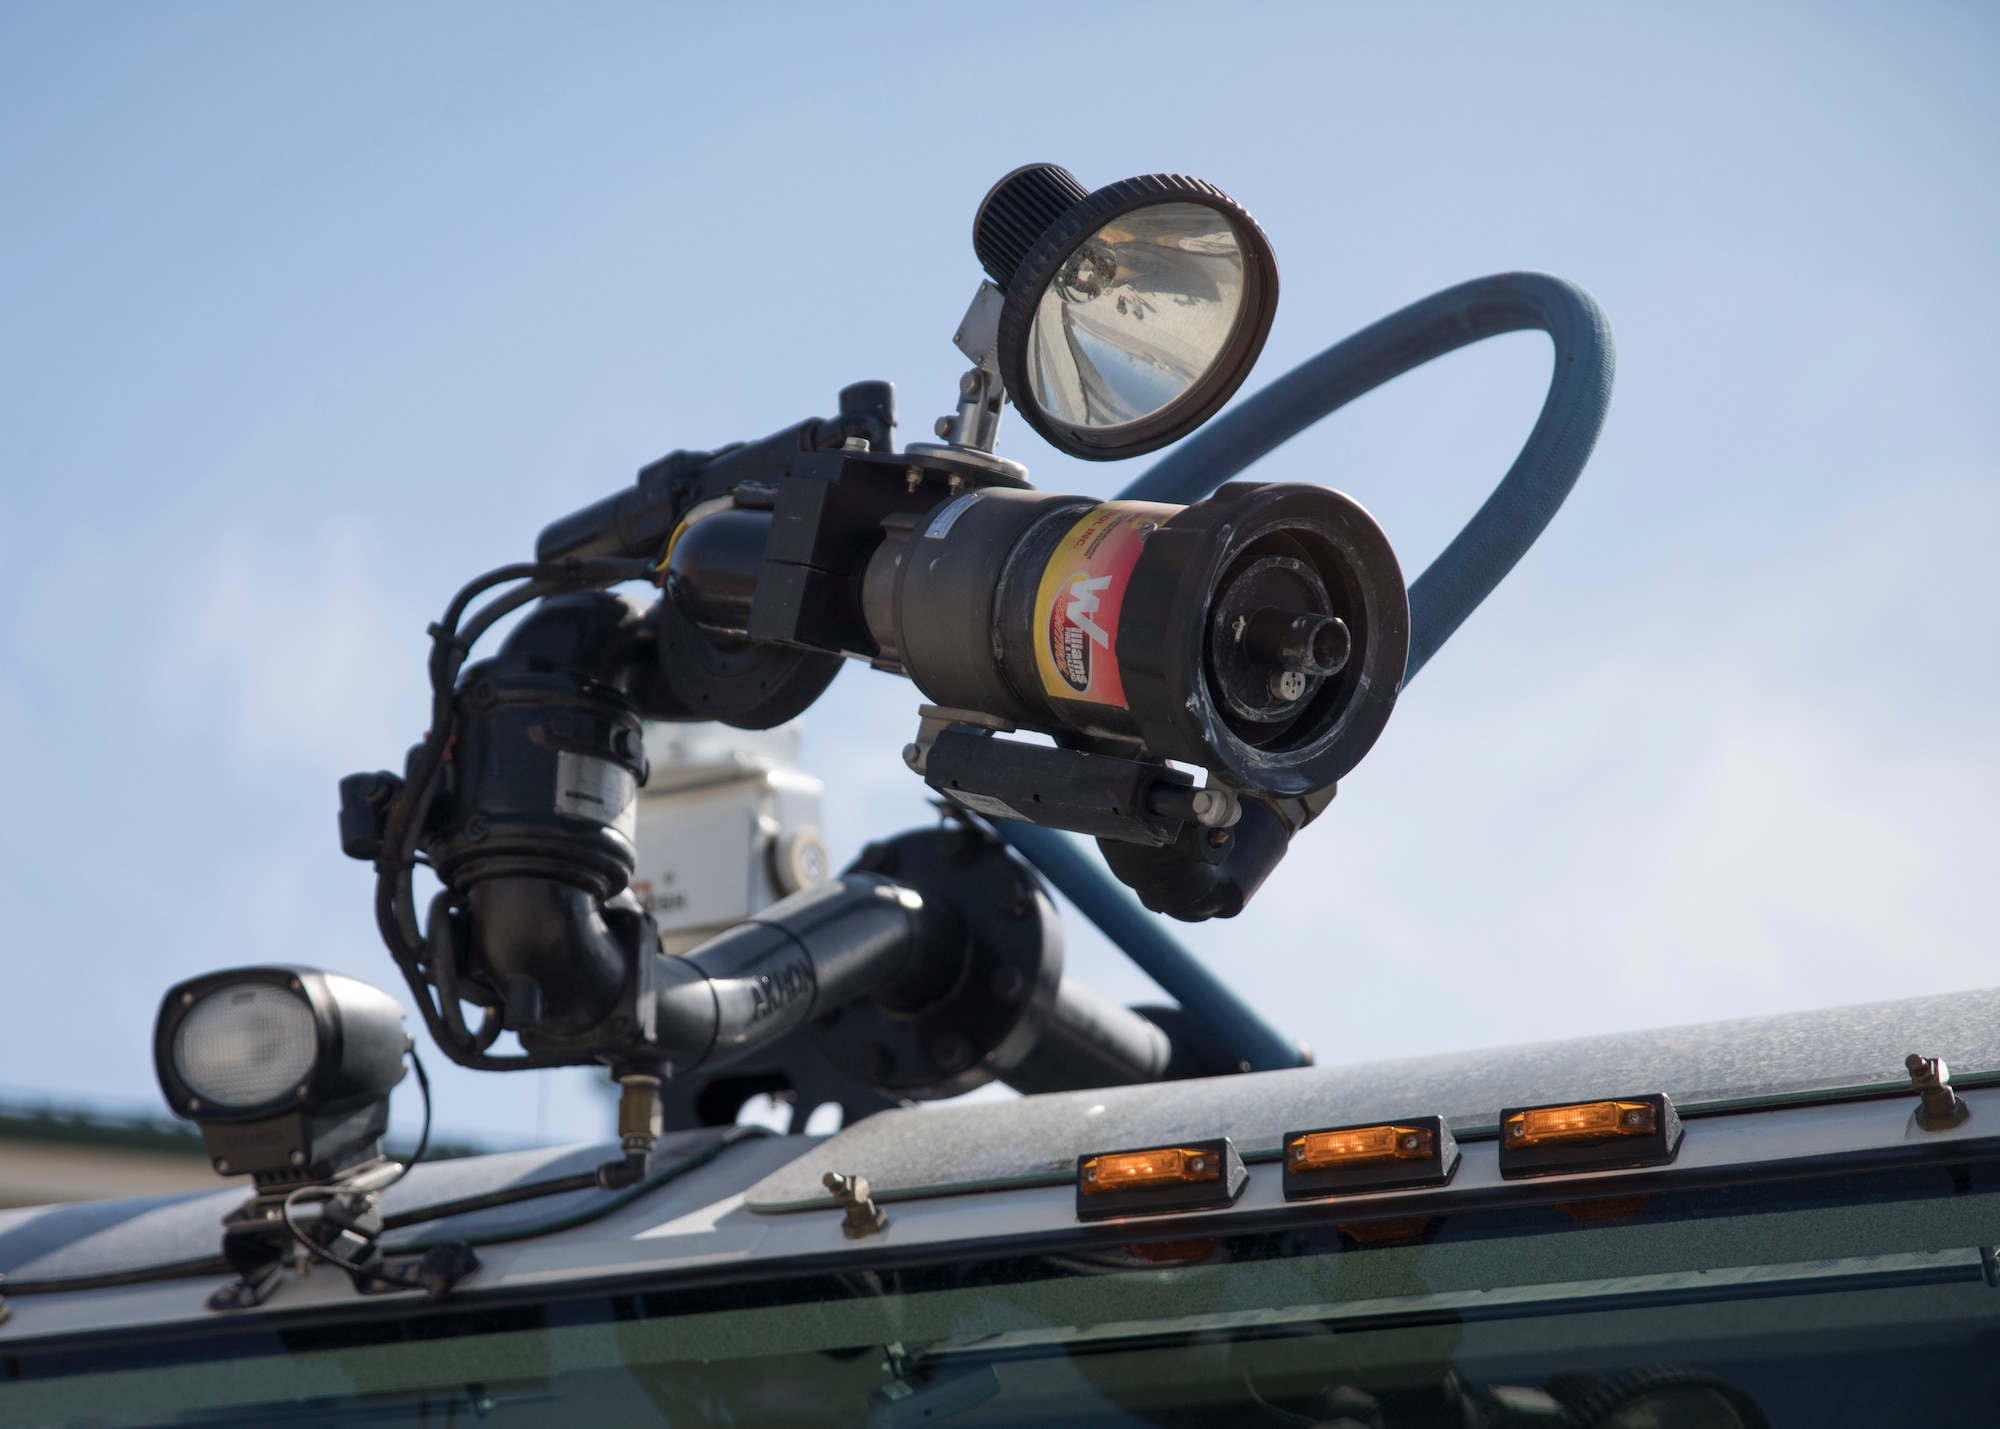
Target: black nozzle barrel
x,y
1297,640
635,522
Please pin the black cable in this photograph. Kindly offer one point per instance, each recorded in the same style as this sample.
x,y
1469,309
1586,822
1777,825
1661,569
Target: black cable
x,y
488,1200
395,913
582,1181
315,1248
424,1137
321,1252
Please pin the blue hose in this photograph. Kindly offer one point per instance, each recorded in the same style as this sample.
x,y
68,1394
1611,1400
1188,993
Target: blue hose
x,y
1448,591
1501,531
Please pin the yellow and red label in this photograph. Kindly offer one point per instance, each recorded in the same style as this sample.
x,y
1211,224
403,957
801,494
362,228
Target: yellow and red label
x,y
1082,596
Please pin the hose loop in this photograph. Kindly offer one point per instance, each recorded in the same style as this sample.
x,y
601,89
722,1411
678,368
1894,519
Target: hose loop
x,y
1527,498
1450,589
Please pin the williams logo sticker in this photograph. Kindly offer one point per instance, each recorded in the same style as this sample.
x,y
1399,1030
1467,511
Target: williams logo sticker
x,y
1080,598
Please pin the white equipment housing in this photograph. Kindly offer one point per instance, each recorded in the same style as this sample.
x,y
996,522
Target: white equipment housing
x,y
726,825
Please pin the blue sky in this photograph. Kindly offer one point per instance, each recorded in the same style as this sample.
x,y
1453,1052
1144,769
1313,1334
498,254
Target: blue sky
x,y
309,313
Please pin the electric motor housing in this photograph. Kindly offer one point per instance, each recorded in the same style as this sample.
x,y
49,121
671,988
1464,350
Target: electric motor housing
x,y
542,783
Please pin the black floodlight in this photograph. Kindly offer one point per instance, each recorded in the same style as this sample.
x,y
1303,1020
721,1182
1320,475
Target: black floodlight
x,y
287,1070
1159,1180
1614,1134
1381,1156
1131,314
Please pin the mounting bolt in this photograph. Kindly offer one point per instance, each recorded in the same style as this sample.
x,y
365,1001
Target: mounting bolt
x,y
944,428
1215,808
298,1158
864,1217
1931,1080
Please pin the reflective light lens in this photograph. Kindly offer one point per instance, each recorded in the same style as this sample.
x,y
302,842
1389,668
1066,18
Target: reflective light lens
x,y
1138,1170
1321,1150
1136,316
246,1044
1586,1121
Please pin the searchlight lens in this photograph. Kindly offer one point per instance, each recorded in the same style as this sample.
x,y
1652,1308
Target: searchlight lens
x,y
1136,316
1131,313
246,1044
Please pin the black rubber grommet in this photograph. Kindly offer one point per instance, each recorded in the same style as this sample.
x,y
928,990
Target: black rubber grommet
x,y
1201,401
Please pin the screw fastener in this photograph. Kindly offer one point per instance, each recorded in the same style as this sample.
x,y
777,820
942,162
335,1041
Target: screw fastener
x,y
1941,1108
864,1217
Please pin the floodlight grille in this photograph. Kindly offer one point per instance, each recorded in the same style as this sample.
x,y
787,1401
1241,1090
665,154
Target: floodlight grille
x,y
246,1044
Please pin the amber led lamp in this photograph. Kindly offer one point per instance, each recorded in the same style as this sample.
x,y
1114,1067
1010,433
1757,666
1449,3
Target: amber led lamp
x,y
1364,1146
1134,1170
1586,1121
1607,1135
1187,1176
1382,1156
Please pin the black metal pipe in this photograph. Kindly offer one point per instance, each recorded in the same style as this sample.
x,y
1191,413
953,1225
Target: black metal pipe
x,y
1091,1041
805,955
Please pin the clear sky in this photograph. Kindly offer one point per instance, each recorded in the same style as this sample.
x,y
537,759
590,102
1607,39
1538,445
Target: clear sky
x,y
309,313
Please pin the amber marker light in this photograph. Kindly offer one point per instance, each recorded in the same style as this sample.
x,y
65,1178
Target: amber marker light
x,y
1189,1176
1364,1146
1348,1160
1587,1121
1132,1170
1608,1135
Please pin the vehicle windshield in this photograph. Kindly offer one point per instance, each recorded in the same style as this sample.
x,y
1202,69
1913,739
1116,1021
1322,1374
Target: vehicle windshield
x,y
1866,1301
